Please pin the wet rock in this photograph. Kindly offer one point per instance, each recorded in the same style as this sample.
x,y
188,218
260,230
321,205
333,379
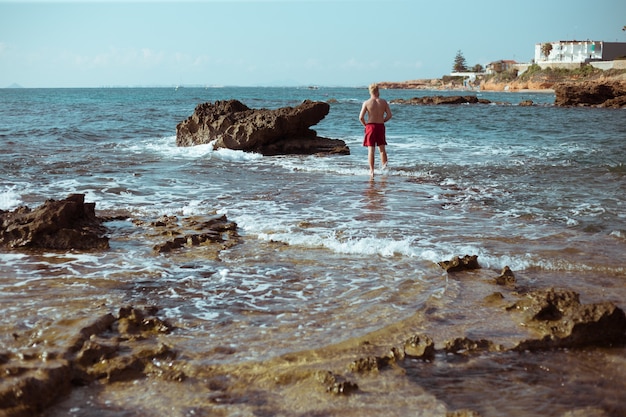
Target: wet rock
x,y
463,413
437,100
465,346
99,325
526,103
457,264
419,347
57,224
494,299
233,125
586,412
93,352
31,390
335,384
193,231
561,321
506,277
128,366
368,364
591,93
133,323
108,349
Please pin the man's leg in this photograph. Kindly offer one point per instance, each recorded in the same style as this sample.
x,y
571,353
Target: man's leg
x,y
370,158
383,156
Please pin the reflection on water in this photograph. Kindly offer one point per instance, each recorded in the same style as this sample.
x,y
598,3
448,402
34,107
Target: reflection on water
x,y
524,384
374,200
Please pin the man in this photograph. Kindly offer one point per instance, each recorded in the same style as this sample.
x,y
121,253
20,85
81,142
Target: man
x,y
378,112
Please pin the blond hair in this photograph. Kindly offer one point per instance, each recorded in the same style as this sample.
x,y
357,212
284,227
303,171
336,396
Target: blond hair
x,y
373,88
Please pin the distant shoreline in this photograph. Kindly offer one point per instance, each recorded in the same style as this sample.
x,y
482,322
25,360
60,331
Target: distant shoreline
x,y
438,84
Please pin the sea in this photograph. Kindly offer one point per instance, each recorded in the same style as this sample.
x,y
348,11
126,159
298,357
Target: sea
x,y
329,254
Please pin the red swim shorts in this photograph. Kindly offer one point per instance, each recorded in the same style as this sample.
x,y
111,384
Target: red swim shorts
x,y
374,134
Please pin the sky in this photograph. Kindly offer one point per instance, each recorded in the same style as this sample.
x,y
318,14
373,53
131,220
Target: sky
x,y
281,42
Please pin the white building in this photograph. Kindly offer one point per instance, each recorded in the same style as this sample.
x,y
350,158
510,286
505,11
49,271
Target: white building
x,y
569,52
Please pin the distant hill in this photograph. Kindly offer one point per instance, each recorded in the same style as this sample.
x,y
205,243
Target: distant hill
x,y
14,85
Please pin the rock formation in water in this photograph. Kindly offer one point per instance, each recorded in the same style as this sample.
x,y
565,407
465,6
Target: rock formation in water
x,y
434,100
233,125
456,264
610,94
561,321
60,225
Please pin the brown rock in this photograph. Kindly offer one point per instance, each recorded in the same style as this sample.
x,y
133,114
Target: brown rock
x,y
33,390
460,264
562,322
233,125
335,384
420,346
60,225
437,100
590,93
506,277
465,346
33,380
192,231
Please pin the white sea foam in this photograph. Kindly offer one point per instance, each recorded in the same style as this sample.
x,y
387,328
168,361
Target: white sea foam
x,y
167,146
9,198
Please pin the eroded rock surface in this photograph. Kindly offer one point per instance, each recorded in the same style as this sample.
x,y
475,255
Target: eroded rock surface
x,y
456,264
233,125
37,372
561,321
591,93
57,224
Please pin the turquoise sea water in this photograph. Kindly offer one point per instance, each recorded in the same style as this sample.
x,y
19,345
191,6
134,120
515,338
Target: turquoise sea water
x,y
539,189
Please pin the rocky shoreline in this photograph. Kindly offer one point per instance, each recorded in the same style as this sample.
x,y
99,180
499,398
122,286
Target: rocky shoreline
x,y
608,92
121,348
602,94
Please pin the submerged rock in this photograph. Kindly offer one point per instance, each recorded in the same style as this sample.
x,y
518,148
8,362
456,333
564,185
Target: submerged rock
x,y
59,225
233,125
36,373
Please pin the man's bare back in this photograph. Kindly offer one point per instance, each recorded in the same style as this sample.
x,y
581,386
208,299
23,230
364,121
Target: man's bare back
x,y
377,110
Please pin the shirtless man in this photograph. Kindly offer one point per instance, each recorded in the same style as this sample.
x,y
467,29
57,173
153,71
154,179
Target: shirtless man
x,y
378,112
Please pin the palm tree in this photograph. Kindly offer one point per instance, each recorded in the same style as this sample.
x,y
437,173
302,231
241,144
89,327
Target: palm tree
x,y
546,48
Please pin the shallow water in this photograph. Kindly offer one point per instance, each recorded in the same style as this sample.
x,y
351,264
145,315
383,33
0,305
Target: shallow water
x,y
328,254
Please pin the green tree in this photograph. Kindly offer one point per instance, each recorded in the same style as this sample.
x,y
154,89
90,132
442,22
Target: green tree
x,y
477,68
459,62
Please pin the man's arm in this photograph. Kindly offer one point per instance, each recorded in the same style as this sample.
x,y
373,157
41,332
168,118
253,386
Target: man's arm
x,y
387,111
362,114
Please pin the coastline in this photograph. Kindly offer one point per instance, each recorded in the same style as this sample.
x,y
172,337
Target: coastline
x,y
436,84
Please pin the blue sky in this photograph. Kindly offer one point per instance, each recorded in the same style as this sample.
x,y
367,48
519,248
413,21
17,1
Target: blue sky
x,y
289,42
